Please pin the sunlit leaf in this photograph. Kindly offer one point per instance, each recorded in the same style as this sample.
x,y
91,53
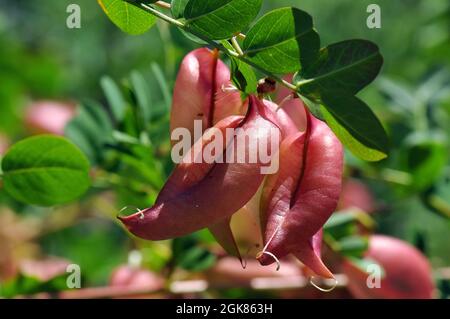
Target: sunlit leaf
x,y
45,170
127,17
282,41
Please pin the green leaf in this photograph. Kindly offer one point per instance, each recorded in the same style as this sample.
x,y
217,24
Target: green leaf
x,y
426,155
141,90
437,197
115,98
314,107
243,77
356,126
127,17
178,7
162,82
189,255
148,173
339,219
340,225
97,245
90,130
155,256
24,284
282,41
353,246
346,66
220,19
45,170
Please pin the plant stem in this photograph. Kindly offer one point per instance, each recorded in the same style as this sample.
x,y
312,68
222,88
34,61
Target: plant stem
x,y
163,4
179,288
303,82
289,85
440,205
241,36
236,46
215,44
162,16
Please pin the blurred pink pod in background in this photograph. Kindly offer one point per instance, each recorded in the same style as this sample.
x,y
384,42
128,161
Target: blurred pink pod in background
x,y
48,116
133,277
228,271
407,273
357,195
44,269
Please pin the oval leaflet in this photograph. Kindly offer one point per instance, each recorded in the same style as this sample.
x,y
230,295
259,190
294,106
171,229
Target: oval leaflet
x,y
45,170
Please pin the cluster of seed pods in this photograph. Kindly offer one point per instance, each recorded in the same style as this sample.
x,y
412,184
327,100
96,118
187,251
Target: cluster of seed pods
x,y
294,202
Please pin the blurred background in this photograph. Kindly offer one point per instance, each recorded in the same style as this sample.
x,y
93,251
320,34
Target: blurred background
x,y
68,81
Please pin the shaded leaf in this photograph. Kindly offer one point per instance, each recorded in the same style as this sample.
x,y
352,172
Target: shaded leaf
x,y
141,90
346,66
356,126
178,7
426,156
189,255
90,130
115,98
243,77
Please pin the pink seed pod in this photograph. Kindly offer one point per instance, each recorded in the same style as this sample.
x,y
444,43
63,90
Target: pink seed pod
x,y
202,92
48,116
201,195
287,125
292,105
407,273
298,200
45,269
131,277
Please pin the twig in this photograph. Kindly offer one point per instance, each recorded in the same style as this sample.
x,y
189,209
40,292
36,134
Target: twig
x,y
185,287
163,4
241,36
161,15
236,46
